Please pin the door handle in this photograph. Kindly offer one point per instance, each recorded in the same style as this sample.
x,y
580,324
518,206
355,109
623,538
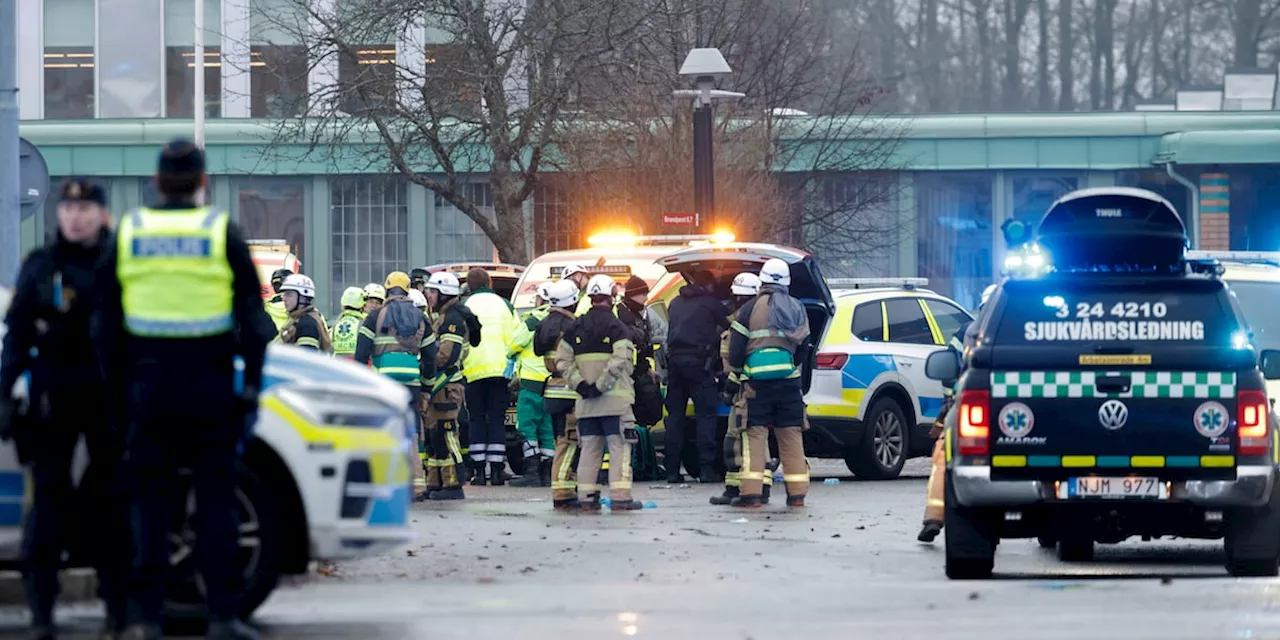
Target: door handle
x,y
906,363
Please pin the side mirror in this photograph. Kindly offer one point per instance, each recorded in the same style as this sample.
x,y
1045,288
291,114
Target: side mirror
x,y
1269,362
944,365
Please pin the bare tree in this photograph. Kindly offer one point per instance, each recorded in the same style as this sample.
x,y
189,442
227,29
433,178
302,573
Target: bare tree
x,y
1015,17
1044,87
1066,51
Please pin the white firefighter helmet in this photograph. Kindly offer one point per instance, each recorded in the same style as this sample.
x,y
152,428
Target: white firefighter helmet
x,y
986,295
775,271
444,282
300,283
544,290
562,294
571,269
419,300
745,284
375,291
600,285
353,298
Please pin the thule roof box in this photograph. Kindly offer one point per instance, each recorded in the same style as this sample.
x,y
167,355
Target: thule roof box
x,y
1113,230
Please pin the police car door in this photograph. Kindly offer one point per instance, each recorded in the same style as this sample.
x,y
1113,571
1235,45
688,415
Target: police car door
x,y
910,338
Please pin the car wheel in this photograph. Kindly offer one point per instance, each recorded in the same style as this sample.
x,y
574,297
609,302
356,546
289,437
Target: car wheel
x,y
1075,550
258,551
883,449
1252,540
971,538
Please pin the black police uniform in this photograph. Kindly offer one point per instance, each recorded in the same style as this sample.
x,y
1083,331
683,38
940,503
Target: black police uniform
x,y
183,410
696,319
50,313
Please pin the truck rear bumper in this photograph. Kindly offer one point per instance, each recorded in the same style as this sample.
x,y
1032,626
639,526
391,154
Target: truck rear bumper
x,y
1251,488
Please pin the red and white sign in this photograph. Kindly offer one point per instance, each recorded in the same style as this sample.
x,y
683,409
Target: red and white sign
x,y
679,219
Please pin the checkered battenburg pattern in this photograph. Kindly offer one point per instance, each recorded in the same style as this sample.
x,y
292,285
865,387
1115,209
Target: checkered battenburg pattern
x,y
1145,384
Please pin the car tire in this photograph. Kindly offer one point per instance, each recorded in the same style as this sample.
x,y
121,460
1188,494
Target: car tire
x,y
1252,540
886,440
1075,550
261,540
971,538
1046,541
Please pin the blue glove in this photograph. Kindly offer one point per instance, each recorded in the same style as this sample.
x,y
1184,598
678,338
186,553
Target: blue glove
x,y
510,371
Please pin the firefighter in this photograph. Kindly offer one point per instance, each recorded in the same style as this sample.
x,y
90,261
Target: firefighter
x,y
305,327
181,301
346,329
275,304
597,355
935,490
48,337
374,295
399,342
453,327
745,287
532,420
770,338
558,399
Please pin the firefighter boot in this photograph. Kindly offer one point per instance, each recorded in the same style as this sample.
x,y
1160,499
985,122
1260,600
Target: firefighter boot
x,y
497,473
478,478
930,530
532,476
764,493
544,472
727,497
454,493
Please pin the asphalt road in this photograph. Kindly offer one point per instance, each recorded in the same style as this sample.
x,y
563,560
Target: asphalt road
x,y
503,565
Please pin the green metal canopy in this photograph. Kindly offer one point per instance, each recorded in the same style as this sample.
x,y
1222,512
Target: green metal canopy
x,y
1242,146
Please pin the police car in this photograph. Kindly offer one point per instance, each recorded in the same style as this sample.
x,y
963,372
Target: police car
x,y
1254,279
328,477
1117,395
870,402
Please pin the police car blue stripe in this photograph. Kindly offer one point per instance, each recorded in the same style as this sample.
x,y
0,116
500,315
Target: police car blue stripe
x,y
392,512
930,407
861,369
12,484
10,514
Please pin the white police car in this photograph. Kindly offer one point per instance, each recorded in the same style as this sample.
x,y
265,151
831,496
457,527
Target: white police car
x,y
1254,278
328,477
870,402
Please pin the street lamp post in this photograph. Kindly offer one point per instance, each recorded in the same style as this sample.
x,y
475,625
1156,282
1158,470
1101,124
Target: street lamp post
x,y
704,66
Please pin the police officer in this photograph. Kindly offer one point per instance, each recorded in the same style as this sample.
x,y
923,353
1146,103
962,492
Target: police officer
x,y
488,374
346,329
558,398
770,339
454,325
275,304
596,355
305,327
935,490
399,342
181,301
696,319
745,287
532,420
49,316
374,295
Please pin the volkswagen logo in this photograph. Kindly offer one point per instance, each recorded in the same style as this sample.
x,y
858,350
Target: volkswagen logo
x,y
1113,414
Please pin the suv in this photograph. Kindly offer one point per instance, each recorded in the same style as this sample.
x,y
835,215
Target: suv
x,y
1254,279
870,371
1117,395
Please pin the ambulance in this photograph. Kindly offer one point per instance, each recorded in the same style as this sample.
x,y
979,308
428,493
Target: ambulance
x,y
503,277
270,256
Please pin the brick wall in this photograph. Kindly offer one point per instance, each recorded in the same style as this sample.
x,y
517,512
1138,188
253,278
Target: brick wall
x,y
1215,212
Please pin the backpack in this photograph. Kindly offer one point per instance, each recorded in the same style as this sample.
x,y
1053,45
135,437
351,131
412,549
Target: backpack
x,y
644,457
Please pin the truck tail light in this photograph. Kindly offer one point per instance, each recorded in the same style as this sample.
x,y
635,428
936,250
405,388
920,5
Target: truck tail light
x,y
1252,422
831,361
974,423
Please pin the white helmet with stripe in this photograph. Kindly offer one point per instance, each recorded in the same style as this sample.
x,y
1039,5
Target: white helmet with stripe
x,y
775,271
444,282
301,284
745,284
600,285
562,294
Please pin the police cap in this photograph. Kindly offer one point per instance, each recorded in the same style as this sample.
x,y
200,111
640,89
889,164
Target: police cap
x,y
83,190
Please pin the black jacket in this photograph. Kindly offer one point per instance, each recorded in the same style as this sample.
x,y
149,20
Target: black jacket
x,y
642,334
129,357
50,313
550,331
696,319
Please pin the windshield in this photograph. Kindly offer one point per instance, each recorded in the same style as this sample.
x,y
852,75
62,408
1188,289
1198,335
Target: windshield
x,y
1260,302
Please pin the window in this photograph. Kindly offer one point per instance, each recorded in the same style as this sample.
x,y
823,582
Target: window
x,y
277,80
458,237
1033,194
367,76
180,59
948,317
274,209
370,217
554,229
68,59
868,322
954,234
907,322
130,60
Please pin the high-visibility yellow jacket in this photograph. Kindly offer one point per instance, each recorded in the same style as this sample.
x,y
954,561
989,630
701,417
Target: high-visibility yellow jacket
x,y
497,323
279,315
532,369
346,332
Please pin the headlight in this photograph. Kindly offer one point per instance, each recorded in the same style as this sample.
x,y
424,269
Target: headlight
x,y
335,408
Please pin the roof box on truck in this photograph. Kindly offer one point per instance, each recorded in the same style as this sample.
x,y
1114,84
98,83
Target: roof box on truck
x,y
1113,230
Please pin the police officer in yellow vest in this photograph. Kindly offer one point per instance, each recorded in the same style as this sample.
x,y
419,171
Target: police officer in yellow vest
x,y
181,301
770,339
275,304
532,420
346,329
306,327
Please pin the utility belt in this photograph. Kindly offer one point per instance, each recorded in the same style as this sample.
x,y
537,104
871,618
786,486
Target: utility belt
x,y
710,357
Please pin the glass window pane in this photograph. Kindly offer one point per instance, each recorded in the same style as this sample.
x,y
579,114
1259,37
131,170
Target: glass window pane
x,y
868,323
68,59
954,233
277,80
179,70
370,244
130,58
907,322
274,209
948,317
1032,195
367,79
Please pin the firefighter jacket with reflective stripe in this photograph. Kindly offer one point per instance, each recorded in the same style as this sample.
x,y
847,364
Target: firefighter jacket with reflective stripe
x,y
396,354
174,275
497,323
305,329
533,371
768,354
597,350
279,315
453,343
550,332
346,332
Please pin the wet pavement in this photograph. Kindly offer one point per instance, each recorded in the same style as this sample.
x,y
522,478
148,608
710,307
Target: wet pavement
x,y
503,565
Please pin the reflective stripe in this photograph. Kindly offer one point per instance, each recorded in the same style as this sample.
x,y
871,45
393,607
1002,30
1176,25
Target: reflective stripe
x,y
592,357
752,475
452,337
566,467
385,340
740,328
795,477
308,342
178,328
368,333
934,502
570,485
427,341
766,333
589,488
